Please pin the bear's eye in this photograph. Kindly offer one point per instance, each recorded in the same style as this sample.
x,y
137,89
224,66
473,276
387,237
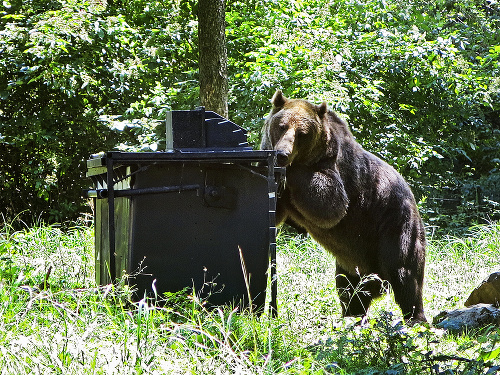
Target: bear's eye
x,y
283,126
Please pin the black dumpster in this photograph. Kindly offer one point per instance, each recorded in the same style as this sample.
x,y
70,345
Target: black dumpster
x,y
199,215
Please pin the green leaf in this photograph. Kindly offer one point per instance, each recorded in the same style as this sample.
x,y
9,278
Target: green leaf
x,y
489,355
15,17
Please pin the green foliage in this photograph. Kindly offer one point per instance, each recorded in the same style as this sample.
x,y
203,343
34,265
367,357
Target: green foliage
x,y
51,91
76,327
418,81
385,346
29,254
9,270
69,68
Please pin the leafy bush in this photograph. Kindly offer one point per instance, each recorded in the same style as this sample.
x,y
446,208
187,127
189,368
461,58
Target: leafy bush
x,y
52,89
69,68
418,81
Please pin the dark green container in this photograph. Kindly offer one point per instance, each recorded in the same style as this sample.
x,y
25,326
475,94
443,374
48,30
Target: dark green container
x,y
202,218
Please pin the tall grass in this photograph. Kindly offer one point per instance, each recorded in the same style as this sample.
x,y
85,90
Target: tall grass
x,y
60,322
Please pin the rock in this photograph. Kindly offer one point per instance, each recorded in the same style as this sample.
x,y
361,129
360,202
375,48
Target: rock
x,y
488,292
473,317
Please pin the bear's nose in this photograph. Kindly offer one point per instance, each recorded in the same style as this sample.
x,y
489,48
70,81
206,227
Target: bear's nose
x,y
281,158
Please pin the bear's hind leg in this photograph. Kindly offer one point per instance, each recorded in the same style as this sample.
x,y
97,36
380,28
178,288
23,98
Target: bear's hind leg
x,y
408,295
405,273
355,293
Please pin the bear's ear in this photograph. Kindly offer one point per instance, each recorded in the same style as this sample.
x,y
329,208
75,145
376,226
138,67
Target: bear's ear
x,y
322,108
278,99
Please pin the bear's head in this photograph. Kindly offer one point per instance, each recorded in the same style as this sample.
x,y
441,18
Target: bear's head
x,y
296,130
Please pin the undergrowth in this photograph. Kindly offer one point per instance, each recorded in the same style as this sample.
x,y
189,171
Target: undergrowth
x,y
55,319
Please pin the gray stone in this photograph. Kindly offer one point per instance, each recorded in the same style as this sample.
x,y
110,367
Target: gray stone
x,y
473,317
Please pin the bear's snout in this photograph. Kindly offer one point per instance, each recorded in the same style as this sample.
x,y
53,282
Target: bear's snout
x,y
285,148
282,158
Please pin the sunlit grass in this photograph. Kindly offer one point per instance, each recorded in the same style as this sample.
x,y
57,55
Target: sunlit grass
x,y
64,323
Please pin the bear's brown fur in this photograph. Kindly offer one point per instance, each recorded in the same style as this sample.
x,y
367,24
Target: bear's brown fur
x,y
350,201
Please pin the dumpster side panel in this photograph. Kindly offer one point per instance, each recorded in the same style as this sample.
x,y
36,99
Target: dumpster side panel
x,y
122,235
102,242
122,220
192,238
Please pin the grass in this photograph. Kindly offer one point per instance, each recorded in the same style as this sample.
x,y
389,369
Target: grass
x,y
60,322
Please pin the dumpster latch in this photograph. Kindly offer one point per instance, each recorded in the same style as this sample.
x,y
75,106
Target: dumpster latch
x,y
220,196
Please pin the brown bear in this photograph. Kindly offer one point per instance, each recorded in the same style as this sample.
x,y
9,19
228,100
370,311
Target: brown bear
x,y
351,202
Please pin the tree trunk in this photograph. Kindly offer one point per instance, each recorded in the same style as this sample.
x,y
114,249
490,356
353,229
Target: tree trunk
x,y
213,56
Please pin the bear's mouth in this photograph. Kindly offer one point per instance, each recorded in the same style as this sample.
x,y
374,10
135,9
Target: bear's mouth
x,y
283,159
